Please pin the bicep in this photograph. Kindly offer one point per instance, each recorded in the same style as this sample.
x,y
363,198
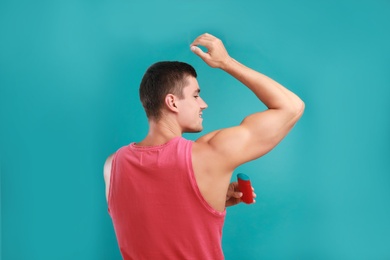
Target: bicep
x,y
255,136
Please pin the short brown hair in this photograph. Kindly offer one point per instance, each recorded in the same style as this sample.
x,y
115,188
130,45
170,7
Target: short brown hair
x,y
161,79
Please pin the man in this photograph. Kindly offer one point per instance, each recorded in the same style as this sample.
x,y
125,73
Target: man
x,y
167,195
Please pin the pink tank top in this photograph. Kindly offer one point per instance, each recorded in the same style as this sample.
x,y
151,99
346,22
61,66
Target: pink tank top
x,y
156,207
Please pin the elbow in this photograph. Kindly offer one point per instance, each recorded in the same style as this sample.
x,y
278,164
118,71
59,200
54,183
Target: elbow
x,y
300,107
297,109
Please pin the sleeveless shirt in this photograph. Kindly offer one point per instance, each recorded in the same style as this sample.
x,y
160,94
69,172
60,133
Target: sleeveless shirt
x,y
156,206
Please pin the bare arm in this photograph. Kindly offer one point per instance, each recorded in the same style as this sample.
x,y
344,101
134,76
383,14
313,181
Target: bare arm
x,y
260,132
107,174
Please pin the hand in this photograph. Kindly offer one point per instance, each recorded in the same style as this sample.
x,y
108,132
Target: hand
x,y
233,195
216,56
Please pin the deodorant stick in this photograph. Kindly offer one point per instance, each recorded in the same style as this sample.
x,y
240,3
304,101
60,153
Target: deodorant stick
x,y
245,186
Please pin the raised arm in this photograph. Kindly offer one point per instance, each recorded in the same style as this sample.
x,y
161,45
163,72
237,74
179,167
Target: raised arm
x,y
260,132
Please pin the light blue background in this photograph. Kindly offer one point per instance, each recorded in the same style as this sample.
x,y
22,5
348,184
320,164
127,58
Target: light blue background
x,y
69,77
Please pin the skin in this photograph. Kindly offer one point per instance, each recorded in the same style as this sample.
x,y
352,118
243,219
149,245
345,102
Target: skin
x,y
213,157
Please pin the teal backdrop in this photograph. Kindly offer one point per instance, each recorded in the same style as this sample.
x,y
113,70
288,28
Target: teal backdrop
x,y
69,77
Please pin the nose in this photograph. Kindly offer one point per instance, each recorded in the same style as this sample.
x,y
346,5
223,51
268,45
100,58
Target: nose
x,y
202,104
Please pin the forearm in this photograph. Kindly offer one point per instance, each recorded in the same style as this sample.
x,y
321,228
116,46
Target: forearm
x,y
270,92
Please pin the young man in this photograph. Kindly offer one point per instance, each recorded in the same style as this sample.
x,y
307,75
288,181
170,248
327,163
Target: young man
x,y
167,195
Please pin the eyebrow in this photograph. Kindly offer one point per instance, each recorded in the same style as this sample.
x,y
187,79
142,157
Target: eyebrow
x,y
197,91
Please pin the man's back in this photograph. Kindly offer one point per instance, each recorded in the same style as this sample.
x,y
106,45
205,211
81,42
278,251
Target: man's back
x,y
157,209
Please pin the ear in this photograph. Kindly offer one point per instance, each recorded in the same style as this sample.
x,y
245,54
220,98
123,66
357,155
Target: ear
x,y
170,102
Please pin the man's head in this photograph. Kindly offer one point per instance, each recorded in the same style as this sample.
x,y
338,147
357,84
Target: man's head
x,y
161,79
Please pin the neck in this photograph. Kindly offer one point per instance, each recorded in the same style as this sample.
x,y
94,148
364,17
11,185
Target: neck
x,y
160,132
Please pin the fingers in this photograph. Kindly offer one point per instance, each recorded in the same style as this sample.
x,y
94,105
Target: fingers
x,y
234,195
233,192
237,194
204,40
216,55
198,52
207,40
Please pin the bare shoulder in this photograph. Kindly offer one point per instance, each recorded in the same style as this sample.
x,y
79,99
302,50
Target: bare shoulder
x,y
221,148
205,152
205,138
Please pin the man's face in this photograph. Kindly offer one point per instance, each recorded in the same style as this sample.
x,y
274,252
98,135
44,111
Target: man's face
x,y
191,107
